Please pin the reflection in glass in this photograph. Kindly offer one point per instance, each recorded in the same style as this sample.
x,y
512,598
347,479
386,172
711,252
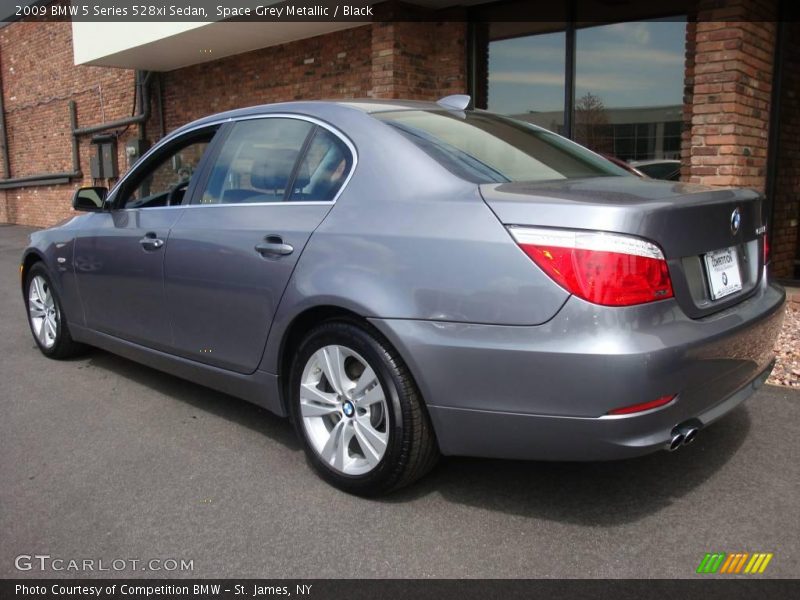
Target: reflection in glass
x,y
628,89
526,78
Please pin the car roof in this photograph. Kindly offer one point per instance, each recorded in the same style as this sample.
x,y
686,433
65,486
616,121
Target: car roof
x,y
371,105
314,108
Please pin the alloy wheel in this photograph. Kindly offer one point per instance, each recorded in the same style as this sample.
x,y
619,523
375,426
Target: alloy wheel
x,y
344,410
43,312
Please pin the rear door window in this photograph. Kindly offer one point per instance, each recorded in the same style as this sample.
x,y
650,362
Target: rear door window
x,y
324,169
258,162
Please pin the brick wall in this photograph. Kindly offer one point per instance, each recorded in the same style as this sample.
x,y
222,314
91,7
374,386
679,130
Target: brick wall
x,y
415,59
336,65
418,60
784,234
38,81
382,60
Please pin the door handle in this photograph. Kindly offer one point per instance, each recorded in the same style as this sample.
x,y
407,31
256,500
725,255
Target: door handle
x,y
273,246
151,242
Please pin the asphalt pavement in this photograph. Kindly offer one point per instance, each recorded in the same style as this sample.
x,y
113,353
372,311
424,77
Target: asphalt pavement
x,y
103,459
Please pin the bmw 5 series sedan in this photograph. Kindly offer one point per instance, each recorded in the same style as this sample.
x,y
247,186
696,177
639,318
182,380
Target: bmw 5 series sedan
x,y
406,280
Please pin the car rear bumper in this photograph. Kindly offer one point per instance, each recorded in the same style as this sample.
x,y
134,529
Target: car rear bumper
x,y
521,436
544,392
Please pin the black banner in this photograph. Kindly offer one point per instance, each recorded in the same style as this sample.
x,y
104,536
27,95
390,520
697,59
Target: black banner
x,y
357,11
405,589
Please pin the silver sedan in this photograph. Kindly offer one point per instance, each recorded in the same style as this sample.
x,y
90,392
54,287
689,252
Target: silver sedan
x,y
405,280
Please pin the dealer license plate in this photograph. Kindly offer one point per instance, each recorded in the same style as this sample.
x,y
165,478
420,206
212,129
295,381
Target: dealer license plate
x,y
722,267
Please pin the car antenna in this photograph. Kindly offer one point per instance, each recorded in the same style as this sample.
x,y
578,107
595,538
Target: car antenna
x,y
455,102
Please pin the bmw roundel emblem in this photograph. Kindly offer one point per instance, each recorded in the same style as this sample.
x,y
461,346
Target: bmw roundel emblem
x,y
724,279
736,221
348,409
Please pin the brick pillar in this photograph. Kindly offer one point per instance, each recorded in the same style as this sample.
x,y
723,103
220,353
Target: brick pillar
x,y
417,60
729,84
383,60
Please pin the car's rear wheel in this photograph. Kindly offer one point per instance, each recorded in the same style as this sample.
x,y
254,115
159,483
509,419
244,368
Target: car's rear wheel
x,y
358,412
46,316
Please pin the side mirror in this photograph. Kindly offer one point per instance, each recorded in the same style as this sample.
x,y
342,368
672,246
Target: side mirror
x,y
89,199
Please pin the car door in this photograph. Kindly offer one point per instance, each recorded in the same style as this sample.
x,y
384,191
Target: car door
x,y
231,254
119,255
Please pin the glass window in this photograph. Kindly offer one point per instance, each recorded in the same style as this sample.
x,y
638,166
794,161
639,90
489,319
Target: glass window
x,y
324,168
629,79
672,139
164,182
629,88
526,78
257,162
486,148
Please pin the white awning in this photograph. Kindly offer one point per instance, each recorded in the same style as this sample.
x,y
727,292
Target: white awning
x,y
164,46
168,46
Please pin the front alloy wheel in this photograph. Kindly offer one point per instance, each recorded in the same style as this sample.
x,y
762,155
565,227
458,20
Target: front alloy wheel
x,y
46,315
357,410
43,312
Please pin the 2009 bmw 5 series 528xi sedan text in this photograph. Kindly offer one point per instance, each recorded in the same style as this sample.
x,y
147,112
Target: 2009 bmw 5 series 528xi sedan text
x,y
408,279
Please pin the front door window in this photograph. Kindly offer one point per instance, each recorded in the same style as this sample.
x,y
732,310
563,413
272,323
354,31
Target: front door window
x,y
165,179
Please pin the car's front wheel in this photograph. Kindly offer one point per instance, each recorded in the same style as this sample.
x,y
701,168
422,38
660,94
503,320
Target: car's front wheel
x,y
46,316
358,411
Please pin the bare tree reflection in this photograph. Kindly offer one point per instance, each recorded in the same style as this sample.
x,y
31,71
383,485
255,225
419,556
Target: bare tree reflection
x,y
592,127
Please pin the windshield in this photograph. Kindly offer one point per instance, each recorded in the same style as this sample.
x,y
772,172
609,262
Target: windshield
x,y
486,148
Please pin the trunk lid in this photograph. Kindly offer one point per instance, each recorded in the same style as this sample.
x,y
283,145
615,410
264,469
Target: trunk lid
x,y
687,221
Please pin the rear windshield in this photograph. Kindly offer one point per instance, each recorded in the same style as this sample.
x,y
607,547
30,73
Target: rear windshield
x,y
487,148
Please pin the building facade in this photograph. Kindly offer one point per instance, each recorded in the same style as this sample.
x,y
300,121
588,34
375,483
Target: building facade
x,y
711,82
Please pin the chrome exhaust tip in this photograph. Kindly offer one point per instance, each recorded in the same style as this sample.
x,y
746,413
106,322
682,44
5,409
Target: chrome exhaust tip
x,y
676,441
683,435
689,435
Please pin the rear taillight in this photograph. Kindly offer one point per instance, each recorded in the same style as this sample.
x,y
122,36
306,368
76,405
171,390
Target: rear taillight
x,y
766,249
604,268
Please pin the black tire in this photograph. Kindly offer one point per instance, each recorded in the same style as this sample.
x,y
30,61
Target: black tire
x,y
411,450
64,346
